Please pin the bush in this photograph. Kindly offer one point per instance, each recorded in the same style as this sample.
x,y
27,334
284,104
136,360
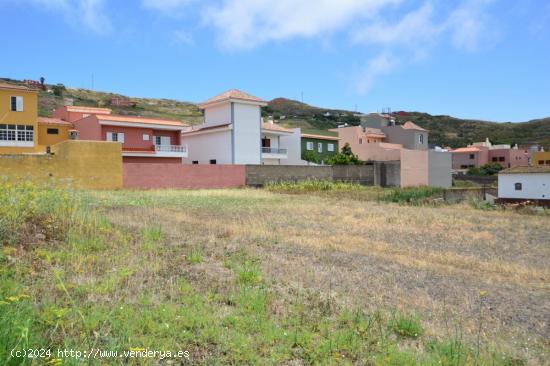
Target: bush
x,y
486,170
345,157
412,194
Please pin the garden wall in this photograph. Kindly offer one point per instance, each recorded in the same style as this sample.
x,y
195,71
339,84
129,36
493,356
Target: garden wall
x,y
167,175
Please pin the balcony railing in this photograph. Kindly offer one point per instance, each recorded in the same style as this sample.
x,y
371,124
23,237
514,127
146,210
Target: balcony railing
x,y
171,148
273,150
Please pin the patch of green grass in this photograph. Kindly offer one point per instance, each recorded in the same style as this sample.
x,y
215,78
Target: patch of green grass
x,y
406,325
482,205
194,256
312,186
412,195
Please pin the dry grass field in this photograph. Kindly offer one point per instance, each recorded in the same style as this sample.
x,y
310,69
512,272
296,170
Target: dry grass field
x,y
255,277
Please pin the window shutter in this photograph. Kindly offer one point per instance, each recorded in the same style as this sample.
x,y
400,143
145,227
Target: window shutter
x,y
109,136
19,103
121,137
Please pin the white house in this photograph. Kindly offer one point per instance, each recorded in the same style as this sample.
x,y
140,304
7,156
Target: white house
x,y
524,183
233,133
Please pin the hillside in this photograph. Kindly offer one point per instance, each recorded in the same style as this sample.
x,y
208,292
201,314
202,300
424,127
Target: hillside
x,y
444,130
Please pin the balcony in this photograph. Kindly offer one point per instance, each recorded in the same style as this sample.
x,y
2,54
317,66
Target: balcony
x,y
179,151
159,151
274,153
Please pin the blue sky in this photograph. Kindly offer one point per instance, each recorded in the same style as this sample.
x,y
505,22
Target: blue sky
x,y
484,59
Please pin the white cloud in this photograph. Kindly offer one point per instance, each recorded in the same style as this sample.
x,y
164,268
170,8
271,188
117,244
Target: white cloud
x,y
469,24
249,23
381,65
90,13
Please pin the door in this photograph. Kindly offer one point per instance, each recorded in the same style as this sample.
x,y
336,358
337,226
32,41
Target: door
x,y
266,142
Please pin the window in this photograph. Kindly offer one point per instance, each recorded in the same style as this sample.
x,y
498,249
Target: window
x,y
162,140
320,147
501,158
541,162
420,139
145,137
495,159
14,133
17,104
547,162
85,115
360,141
195,162
52,131
330,147
472,156
115,136
518,186
463,166
212,161
309,145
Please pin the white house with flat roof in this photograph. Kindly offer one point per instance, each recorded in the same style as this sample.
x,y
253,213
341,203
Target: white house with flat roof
x,y
524,183
233,132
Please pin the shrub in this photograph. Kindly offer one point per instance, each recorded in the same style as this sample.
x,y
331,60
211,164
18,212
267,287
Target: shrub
x,y
345,157
312,186
486,170
412,195
406,326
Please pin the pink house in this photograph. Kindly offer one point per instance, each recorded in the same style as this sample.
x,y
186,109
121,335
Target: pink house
x,y
72,113
481,153
469,157
143,139
509,158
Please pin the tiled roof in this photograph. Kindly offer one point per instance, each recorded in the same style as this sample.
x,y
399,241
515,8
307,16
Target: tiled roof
x,y
411,126
92,110
374,132
275,127
232,94
144,120
53,121
526,169
466,150
320,137
15,87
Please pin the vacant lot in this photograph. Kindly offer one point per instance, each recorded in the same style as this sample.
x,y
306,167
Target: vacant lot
x,y
254,277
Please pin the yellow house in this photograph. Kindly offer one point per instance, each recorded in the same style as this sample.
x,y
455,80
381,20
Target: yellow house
x,y
18,119
540,158
52,130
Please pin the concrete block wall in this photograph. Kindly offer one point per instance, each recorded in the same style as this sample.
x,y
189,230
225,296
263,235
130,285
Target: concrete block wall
x,y
258,175
362,174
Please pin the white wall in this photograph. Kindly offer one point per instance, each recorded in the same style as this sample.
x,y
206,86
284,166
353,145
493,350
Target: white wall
x,y
247,134
217,115
294,148
534,185
213,145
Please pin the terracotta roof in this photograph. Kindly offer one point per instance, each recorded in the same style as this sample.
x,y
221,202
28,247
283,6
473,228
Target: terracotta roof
x,y
526,169
466,150
16,87
320,137
411,126
53,121
82,109
275,127
232,94
205,128
145,120
374,132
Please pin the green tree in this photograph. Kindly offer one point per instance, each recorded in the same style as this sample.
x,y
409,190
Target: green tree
x,y
311,157
485,170
58,90
345,157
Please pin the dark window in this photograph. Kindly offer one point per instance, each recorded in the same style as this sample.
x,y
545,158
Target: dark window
x,y
472,156
541,162
501,158
13,104
518,186
195,161
213,161
266,142
463,166
547,162
53,131
495,159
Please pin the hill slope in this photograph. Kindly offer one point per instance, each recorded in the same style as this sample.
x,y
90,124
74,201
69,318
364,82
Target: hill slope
x,y
444,130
